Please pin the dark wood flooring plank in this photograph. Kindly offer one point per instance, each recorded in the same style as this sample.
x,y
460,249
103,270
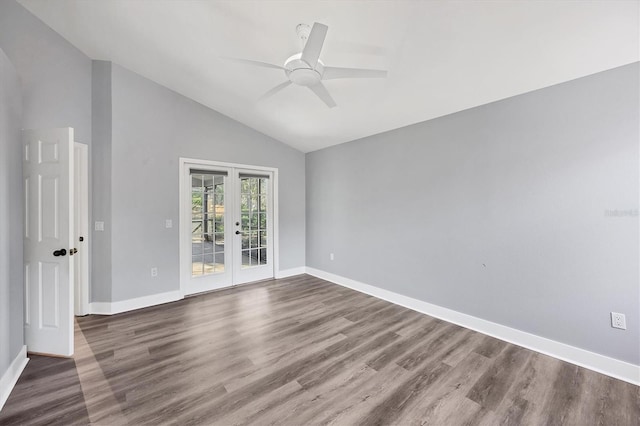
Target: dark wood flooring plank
x,y
398,400
441,402
490,346
431,346
384,357
494,384
568,387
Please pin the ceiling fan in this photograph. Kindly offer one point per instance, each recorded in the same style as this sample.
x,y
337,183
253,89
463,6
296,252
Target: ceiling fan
x,y
306,68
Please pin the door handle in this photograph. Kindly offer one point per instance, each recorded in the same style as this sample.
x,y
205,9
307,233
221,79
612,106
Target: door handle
x,y
238,232
73,251
60,252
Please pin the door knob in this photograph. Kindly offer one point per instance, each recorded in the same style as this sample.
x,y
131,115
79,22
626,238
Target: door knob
x,y
60,252
73,251
238,232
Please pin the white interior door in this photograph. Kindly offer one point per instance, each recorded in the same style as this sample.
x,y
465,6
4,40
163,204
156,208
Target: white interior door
x,y
48,240
226,225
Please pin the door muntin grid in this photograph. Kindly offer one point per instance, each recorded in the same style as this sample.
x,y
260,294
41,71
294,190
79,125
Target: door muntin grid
x,y
207,224
253,221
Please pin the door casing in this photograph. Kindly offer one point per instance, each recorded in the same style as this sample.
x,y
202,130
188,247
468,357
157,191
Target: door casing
x,y
185,164
81,227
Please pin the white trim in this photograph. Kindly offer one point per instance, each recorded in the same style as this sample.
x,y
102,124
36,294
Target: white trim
x,y
274,224
11,376
196,161
581,357
111,308
285,273
81,228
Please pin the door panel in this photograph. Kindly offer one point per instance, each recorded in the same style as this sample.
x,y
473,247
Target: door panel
x,y
48,197
252,256
208,218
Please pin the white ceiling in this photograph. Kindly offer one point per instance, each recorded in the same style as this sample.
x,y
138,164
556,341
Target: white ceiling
x,y
442,56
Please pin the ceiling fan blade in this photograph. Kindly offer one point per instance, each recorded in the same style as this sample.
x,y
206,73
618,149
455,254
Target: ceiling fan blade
x,y
256,63
313,47
331,73
323,94
275,90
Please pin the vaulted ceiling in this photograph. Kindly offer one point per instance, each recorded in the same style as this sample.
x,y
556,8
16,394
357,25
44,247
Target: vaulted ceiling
x,y
441,56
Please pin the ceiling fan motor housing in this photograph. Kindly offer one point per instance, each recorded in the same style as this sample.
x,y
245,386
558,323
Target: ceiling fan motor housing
x,y
301,73
303,31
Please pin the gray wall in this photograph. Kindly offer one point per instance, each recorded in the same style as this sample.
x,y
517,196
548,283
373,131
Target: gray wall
x,y
101,186
54,75
11,298
497,211
152,128
56,85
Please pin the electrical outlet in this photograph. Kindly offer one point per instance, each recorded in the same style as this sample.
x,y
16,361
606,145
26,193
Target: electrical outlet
x,y
154,272
330,256
168,223
618,321
99,226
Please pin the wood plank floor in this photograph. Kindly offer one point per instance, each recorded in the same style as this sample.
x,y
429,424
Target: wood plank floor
x,y
302,351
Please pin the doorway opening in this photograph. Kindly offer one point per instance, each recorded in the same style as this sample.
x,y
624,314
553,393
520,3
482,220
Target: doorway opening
x,y
228,224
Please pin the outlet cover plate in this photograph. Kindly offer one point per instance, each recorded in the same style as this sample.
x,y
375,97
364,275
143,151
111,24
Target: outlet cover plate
x,y
618,321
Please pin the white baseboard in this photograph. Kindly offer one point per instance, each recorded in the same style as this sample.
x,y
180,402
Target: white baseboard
x,y
593,361
111,308
290,272
11,376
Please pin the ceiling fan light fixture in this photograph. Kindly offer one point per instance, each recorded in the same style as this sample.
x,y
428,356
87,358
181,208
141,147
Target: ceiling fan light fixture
x,y
300,73
304,77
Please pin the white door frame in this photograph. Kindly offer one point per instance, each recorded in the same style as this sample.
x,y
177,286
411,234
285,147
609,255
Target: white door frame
x,y
81,218
185,214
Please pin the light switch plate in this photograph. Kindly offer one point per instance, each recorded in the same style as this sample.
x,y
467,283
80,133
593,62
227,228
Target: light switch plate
x,y
168,223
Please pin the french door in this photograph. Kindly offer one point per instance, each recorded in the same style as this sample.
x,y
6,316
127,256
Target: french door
x,y
226,225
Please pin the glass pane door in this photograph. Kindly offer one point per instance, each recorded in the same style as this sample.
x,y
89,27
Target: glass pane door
x,y
253,252
207,224
253,207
